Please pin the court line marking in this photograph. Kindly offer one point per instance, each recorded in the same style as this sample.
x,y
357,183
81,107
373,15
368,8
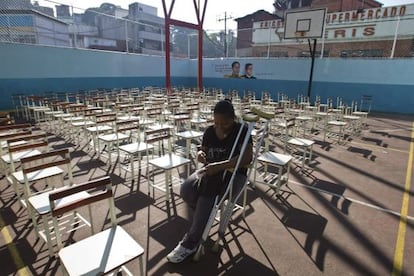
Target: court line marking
x,y
376,207
399,246
18,262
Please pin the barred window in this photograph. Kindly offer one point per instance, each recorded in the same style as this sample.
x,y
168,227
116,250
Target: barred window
x,y
362,53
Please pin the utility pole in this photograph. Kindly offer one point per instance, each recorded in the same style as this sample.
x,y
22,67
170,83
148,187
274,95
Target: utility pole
x,y
225,18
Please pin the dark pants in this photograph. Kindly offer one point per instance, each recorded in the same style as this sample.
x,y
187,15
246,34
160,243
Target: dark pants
x,y
202,205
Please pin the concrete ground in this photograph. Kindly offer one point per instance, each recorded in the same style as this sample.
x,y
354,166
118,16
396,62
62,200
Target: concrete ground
x,y
342,216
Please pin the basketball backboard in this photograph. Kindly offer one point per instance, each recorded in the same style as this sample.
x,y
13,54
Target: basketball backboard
x,y
304,23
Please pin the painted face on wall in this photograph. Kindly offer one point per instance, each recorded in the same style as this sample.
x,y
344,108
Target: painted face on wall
x,y
236,69
249,70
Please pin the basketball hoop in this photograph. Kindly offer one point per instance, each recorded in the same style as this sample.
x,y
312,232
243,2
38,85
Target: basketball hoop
x,y
303,24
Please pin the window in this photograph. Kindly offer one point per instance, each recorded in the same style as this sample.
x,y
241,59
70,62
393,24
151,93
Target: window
x,y
152,45
23,38
362,53
274,54
317,53
278,54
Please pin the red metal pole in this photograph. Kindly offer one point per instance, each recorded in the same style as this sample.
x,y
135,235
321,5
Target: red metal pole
x,y
199,27
200,58
167,56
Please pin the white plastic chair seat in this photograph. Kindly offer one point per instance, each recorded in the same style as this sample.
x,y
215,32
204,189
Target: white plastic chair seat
x,y
179,116
62,115
53,112
189,134
113,137
16,156
301,142
352,118
40,202
304,118
3,144
100,253
359,113
160,126
83,123
169,161
37,175
146,121
41,109
198,121
275,158
296,111
99,128
71,119
135,147
337,123
128,117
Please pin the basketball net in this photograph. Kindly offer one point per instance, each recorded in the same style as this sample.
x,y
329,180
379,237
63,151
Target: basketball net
x,y
300,35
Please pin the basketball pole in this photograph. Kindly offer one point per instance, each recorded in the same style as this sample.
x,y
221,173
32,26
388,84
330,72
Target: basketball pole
x,y
312,51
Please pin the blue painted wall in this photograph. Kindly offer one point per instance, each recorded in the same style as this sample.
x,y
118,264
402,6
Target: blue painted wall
x,y
390,82
36,69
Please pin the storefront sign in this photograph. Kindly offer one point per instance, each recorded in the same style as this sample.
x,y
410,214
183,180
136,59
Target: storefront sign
x,y
365,24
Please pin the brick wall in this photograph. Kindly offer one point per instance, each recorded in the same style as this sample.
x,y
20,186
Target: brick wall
x,y
344,5
404,48
245,24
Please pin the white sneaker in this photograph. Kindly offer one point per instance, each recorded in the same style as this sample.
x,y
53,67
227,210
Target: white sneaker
x,y
180,253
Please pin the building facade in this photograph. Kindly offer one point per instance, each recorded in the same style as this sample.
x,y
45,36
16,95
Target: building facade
x,y
137,29
373,32
33,27
331,5
344,5
45,10
145,29
244,31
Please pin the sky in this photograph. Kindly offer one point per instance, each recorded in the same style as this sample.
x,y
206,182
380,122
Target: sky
x,y
184,9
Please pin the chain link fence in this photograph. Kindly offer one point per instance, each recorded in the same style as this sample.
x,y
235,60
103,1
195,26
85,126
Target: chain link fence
x,y
108,27
378,33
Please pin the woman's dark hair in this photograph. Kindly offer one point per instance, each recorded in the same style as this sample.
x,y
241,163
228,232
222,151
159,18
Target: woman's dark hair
x,y
225,107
